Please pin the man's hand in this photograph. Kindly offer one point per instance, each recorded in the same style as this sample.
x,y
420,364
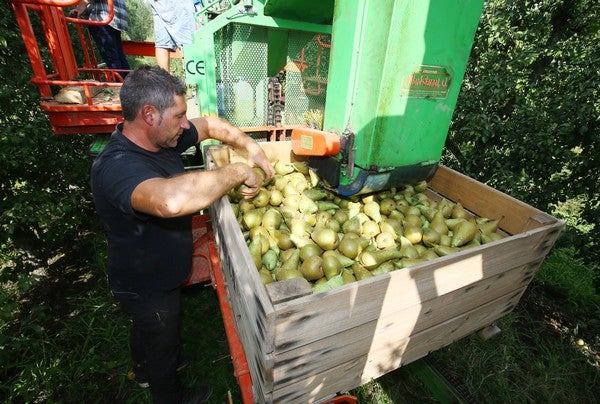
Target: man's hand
x,y
258,158
211,127
253,183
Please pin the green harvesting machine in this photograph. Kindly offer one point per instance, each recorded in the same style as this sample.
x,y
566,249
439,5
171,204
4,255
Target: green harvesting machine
x,y
368,87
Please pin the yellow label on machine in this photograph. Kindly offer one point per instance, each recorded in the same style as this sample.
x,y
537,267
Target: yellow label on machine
x,y
306,142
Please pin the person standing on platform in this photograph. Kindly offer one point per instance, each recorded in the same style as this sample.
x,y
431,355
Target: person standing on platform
x,y
174,26
107,37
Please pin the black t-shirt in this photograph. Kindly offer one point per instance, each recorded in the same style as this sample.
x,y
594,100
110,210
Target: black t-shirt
x,y
145,253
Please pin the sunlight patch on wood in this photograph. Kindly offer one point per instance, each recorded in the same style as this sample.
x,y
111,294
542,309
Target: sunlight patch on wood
x,y
459,274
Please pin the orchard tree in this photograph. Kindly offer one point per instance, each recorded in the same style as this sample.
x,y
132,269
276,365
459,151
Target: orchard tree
x,y
44,191
527,119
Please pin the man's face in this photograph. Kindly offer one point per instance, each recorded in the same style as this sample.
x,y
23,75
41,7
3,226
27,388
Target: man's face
x,y
173,122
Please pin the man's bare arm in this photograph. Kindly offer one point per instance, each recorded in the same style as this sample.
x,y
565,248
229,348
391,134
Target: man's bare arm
x,y
192,191
221,130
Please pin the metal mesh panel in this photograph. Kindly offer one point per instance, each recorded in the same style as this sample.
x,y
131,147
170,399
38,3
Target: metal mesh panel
x,y
306,75
242,71
243,85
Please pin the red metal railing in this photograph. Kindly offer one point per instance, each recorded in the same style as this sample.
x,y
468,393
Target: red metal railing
x,y
95,114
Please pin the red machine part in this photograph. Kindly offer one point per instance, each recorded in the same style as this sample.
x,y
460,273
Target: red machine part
x,y
206,267
95,114
313,142
314,85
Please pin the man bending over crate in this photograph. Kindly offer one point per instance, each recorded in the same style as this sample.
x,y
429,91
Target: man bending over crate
x,y
146,203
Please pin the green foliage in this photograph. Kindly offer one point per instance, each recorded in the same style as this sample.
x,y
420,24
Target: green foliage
x,y
528,116
141,27
44,178
566,273
44,207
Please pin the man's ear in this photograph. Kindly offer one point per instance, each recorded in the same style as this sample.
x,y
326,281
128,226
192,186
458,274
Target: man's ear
x,y
148,113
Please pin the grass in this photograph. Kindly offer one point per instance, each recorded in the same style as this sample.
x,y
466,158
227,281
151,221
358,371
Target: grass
x,y
530,361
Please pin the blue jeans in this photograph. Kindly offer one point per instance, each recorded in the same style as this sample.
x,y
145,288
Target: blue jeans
x,y
154,339
110,46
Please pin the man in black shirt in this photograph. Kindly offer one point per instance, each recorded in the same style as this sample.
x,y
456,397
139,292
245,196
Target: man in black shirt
x,y
146,202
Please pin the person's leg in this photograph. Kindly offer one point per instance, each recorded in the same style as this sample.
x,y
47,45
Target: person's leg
x,y
110,46
162,13
104,41
174,25
155,340
138,356
163,58
122,63
182,25
161,346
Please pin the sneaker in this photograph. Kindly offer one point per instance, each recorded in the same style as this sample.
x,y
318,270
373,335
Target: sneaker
x,y
139,374
196,395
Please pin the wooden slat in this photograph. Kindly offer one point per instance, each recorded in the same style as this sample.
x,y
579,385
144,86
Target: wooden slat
x,y
359,341
289,289
275,151
391,354
253,316
310,318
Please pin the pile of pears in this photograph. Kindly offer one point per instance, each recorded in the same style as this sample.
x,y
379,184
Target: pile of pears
x,y
294,228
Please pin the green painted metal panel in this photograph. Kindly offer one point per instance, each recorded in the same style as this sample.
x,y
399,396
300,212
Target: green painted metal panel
x,y
315,11
259,18
199,66
396,68
277,50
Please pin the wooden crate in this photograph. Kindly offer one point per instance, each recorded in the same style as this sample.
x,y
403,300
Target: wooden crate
x,y
304,347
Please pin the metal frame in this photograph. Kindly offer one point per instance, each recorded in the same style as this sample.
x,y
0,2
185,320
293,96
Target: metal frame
x,y
94,116
203,47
